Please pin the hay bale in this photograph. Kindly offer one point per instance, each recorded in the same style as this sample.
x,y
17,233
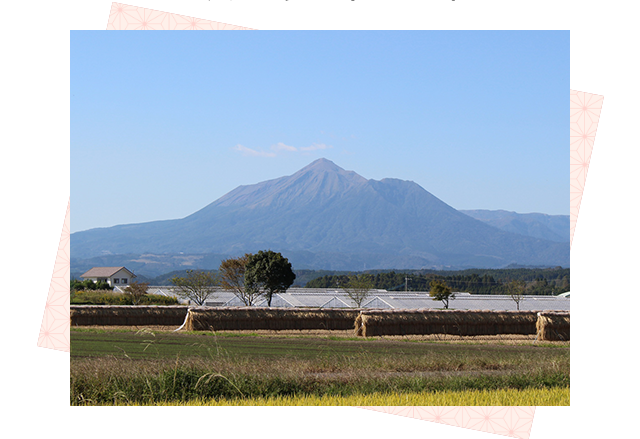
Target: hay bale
x,y
127,315
274,319
358,326
372,323
553,326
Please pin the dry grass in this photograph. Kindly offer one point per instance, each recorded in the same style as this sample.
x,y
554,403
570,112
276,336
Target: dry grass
x,y
553,326
127,315
255,318
109,381
448,322
418,325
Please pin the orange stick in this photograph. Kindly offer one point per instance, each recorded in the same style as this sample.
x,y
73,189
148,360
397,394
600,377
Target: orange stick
x,y
161,422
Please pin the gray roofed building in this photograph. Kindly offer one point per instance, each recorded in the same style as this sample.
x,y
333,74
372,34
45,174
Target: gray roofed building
x,y
114,276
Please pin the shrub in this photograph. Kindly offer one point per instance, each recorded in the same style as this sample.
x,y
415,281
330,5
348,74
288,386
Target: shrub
x,y
136,292
103,285
108,297
89,285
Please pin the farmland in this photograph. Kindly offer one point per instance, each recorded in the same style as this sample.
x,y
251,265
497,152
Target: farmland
x,y
155,366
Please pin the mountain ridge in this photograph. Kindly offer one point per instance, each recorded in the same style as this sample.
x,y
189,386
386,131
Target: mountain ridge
x,y
539,225
323,209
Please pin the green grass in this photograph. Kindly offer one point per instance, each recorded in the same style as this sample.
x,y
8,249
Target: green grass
x,y
364,353
145,367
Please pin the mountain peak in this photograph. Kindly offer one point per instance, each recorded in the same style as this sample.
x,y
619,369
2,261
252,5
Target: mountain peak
x,y
322,164
322,168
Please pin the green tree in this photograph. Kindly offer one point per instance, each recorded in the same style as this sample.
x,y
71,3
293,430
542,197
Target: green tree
x,y
197,286
440,291
136,291
516,290
268,273
565,284
89,285
102,285
76,285
232,272
358,287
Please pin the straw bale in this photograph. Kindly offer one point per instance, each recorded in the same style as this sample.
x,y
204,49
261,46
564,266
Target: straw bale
x,y
275,319
372,323
127,315
358,326
553,326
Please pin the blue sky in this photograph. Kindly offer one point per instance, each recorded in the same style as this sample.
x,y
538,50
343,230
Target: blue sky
x,y
164,123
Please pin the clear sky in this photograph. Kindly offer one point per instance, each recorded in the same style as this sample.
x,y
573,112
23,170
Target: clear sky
x,y
164,123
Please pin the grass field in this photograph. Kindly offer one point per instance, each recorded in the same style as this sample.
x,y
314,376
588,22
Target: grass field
x,y
125,366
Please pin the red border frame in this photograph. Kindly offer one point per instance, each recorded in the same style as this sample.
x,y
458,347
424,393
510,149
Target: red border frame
x,y
56,17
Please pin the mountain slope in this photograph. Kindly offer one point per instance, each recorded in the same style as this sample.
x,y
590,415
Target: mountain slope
x,y
324,210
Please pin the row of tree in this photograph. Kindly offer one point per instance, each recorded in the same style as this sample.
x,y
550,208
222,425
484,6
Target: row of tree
x,y
536,281
250,277
439,290
253,276
88,284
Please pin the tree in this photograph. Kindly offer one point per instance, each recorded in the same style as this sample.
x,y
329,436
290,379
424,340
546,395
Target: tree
x,y
440,291
268,273
232,272
103,285
136,291
88,284
197,286
358,287
516,289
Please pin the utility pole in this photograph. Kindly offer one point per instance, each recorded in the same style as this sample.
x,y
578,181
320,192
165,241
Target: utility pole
x,y
406,283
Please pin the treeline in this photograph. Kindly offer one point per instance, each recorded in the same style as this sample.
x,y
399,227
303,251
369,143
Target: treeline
x,y
548,281
540,281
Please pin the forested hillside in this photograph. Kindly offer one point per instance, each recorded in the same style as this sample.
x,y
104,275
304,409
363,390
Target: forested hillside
x,y
548,281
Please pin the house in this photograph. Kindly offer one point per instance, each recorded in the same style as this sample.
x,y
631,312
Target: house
x,y
114,276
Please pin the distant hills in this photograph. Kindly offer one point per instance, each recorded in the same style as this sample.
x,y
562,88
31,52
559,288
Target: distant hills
x,y
324,217
537,225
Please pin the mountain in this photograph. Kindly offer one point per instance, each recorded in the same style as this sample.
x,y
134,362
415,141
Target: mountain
x,y
537,225
324,217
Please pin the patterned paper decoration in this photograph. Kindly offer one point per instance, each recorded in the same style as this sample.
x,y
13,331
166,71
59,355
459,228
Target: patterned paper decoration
x,y
54,331
507,421
585,113
125,17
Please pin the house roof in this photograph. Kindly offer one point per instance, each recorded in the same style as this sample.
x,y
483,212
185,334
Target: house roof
x,y
105,272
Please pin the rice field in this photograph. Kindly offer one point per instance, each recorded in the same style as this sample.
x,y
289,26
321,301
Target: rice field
x,y
558,396
129,366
